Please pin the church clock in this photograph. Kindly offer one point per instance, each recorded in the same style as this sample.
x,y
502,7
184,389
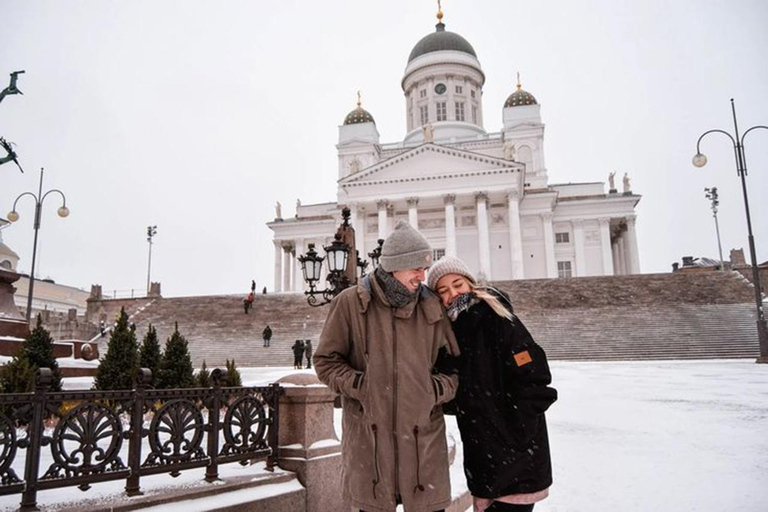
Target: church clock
x,y
440,88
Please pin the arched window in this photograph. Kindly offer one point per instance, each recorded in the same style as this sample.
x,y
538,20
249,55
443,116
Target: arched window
x,y
6,264
525,155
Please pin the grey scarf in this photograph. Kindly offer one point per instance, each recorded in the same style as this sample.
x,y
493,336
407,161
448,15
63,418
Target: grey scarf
x,y
396,293
461,303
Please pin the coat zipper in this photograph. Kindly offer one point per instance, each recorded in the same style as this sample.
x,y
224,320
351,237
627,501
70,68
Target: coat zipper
x,y
394,403
377,479
418,486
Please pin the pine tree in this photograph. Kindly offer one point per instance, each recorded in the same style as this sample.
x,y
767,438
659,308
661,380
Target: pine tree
x,y
17,376
232,375
149,353
38,351
118,368
203,377
176,364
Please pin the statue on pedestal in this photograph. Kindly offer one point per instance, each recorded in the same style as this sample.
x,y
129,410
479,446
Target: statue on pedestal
x,y
428,131
611,183
278,212
625,181
509,150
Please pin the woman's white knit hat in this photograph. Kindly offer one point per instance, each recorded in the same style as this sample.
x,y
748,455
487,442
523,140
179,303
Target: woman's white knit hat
x,y
405,248
448,265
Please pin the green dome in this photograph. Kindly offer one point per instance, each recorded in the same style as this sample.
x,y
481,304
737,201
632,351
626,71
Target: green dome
x,y
359,115
520,98
440,40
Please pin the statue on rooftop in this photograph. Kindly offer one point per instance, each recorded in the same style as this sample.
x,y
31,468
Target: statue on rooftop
x,y
611,182
428,131
278,212
625,181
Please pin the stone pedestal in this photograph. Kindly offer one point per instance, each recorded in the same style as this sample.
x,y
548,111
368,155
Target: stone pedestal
x,y
308,444
12,324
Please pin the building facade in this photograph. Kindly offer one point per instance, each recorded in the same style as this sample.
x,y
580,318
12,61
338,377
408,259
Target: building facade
x,y
482,196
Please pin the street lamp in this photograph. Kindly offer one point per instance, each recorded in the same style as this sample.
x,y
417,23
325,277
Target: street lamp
x,y
151,232
342,273
711,194
376,253
13,216
699,160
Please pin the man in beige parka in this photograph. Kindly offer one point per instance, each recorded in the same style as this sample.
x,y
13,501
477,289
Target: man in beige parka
x,y
377,350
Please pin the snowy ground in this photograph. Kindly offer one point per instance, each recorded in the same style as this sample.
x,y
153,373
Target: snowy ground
x,y
626,437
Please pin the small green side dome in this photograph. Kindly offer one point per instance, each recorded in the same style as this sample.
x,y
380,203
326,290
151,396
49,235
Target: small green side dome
x,y
520,98
359,115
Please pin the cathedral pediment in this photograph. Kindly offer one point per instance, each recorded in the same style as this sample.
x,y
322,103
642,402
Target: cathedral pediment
x,y
429,162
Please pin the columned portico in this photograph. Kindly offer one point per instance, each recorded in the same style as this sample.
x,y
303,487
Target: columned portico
x,y
515,236
449,200
413,215
483,238
578,242
605,244
549,244
382,209
622,255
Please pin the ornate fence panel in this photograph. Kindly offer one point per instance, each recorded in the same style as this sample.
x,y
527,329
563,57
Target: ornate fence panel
x,y
77,438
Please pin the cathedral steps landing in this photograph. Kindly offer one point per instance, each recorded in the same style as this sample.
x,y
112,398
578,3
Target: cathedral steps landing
x,y
651,316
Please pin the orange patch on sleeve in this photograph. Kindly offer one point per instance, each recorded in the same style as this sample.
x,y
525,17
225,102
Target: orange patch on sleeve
x,y
523,358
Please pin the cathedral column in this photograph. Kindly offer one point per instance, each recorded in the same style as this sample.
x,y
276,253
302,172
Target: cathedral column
x,y
450,224
413,213
278,265
605,243
633,257
483,238
578,243
286,266
298,275
622,256
515,234
615,254
549,244
382,206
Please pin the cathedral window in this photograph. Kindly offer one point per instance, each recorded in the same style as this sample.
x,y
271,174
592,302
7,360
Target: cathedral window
x,y
562,238
459,111
437,254
424,114
441,115
564,269
474,114
472,92
459,89
423,93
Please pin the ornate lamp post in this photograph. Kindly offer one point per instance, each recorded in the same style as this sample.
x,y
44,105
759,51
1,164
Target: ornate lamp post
x,y
711,194
699,160
13,216
337,256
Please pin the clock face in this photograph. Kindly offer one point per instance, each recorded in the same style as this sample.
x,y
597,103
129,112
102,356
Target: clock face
x,y
440,88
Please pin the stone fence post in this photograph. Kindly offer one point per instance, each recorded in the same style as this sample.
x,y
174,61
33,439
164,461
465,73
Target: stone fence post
x,y
307,442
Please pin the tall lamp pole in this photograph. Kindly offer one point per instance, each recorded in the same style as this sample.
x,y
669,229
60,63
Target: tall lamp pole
x,y
13,216
151,232
699,160
711,194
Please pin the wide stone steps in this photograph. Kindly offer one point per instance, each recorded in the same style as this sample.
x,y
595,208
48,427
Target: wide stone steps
x,y
653,316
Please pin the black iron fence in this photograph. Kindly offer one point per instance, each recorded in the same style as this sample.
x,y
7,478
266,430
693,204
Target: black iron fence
x,y
77,438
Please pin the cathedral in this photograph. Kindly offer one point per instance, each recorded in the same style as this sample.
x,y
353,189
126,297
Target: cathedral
x,y
482,196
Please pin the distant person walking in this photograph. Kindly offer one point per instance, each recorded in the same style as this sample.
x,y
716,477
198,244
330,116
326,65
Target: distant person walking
x,y
298,354
308,352
253,286
267,335
248,302
264,291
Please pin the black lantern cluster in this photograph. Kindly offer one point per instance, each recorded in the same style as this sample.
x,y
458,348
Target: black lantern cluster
x,y
336,255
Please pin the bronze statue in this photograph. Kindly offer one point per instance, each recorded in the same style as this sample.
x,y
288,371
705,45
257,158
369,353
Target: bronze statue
x,y
12,156
12,88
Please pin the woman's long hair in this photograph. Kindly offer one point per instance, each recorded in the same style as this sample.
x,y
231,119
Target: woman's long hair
x,y
483,292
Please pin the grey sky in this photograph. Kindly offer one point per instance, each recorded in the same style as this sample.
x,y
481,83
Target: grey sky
x,y
198,116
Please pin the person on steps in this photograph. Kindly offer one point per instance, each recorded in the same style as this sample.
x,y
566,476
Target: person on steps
x,y
503,393
266,335
298,354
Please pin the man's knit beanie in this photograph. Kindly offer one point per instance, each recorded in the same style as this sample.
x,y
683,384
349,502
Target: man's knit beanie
x,y
405,248
448,265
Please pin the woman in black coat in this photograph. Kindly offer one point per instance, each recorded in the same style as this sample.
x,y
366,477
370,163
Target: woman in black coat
x,y
503,393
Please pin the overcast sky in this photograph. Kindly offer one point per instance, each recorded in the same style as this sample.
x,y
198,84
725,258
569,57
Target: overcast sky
x,y
197,116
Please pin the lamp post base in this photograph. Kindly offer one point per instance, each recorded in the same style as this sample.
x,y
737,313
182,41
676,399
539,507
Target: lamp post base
x,y
762,360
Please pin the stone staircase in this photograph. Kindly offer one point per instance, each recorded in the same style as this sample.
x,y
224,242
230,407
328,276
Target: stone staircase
x,y
651,316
